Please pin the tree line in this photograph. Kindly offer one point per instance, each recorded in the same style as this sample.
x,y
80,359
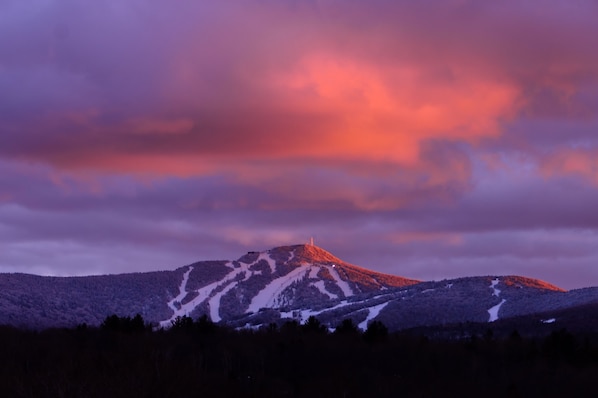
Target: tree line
x,y
125,356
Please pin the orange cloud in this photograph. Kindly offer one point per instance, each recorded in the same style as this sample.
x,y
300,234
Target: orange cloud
x,y
259,91
581,162
385,112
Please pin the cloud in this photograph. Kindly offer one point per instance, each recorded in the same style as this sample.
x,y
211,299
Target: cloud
x,y
409,127
273,81
240,89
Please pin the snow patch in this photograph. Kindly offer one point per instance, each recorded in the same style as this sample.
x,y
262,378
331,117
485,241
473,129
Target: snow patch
x,y
203,293
266,257
343,285
496,292
303,315
182,291
551,320
493,312
269,296
214,302
322,288
313,273
372,313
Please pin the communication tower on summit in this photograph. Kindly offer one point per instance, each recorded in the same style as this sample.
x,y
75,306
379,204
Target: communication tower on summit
x,y
311,241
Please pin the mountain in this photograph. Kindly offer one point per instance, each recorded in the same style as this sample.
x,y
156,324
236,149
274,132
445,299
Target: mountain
x,y
282,284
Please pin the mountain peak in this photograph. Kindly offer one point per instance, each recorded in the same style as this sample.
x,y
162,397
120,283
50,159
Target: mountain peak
x,y
308,253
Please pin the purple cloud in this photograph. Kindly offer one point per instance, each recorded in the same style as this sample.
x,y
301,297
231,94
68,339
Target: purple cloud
x,y
429,139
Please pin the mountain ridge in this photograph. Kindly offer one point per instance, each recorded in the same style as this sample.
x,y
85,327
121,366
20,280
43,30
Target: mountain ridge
x,y
274,286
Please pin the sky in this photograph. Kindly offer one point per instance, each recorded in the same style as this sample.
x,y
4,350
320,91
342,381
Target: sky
x,y
430,139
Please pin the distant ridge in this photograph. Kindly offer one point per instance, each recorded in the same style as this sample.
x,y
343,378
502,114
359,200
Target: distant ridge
x,y
521,281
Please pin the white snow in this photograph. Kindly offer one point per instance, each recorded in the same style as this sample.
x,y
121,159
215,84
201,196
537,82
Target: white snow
x,y
322,288
186,308
215,302
266,257
303,315
494,311
182,290
313,273
202,293
493,287
551,320
373,312
344,286
268,297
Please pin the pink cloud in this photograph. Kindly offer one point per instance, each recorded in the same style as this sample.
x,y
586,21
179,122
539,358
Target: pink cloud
x,y
581,162
194,124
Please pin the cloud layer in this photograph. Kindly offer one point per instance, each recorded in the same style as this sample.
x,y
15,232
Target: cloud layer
x,y
427,139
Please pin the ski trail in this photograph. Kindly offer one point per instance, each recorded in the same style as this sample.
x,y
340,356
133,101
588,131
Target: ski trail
x,y
268,296
203,294
266,257
313,273
215,302
186,308
494,311
322,288
344,286
493,287
182,290
373,313
305,314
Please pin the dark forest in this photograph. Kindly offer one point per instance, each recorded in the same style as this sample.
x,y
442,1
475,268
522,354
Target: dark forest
x,y
124,357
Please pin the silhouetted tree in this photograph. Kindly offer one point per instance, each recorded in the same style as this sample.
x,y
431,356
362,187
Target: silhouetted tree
x,y
137,323
111,322
313,325
124,324
291,327
228,363
272,327
376,331
182,323
205,324
346,327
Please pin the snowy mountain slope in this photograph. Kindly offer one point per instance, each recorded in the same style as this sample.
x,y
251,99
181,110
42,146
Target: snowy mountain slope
x,y
300,276
278,285
472,299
